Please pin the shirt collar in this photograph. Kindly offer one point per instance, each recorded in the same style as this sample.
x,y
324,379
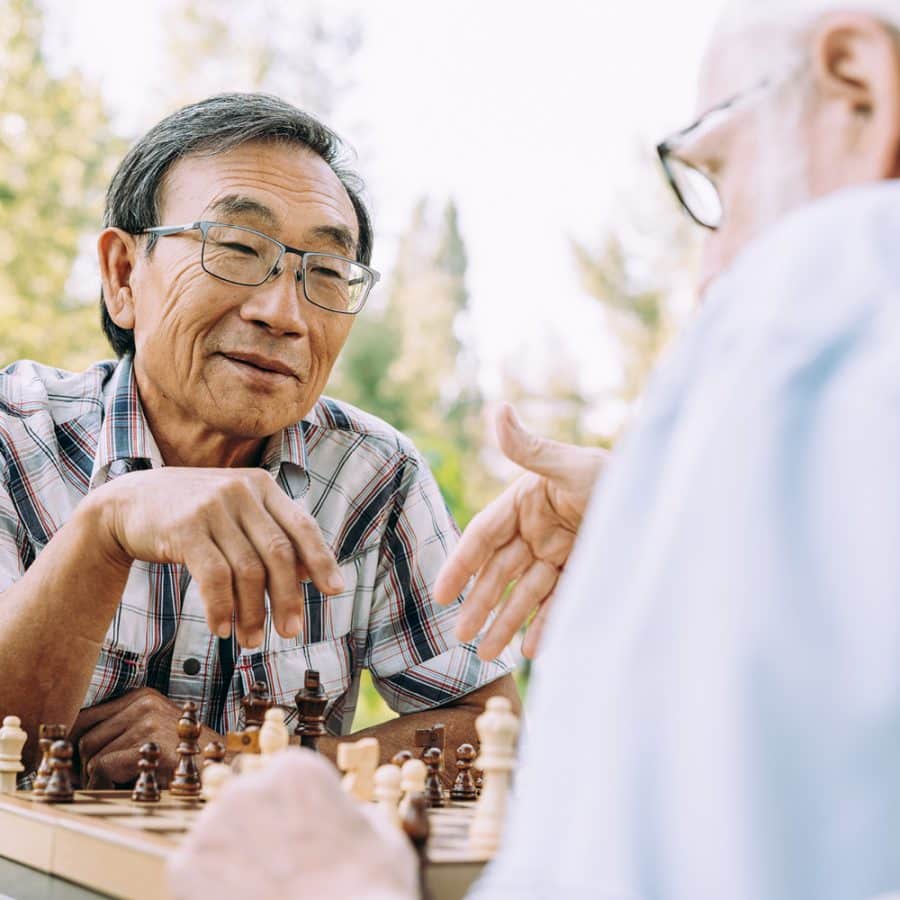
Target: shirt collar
x,y
126,443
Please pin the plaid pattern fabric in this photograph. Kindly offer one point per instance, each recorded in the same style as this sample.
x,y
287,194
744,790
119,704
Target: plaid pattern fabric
x,y
63,434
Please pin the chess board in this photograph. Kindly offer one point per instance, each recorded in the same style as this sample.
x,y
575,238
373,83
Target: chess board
x,y
105,842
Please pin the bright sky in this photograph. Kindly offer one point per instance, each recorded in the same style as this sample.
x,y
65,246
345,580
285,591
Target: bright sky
x,y
531,115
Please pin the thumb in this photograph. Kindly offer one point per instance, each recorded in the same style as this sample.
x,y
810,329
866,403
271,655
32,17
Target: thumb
x,y
573,468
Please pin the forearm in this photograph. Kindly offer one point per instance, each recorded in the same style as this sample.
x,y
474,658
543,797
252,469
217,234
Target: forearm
x,y
458,719
53,621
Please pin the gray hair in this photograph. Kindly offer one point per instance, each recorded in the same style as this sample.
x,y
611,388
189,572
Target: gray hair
x,y
743,15
211,127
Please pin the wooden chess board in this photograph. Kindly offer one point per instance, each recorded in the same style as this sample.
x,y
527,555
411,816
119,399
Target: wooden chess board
x,y
106,843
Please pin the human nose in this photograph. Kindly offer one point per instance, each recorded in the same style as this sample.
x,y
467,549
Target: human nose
x,y
276,304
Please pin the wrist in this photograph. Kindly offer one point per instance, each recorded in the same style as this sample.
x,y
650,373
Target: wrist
x,y
96,515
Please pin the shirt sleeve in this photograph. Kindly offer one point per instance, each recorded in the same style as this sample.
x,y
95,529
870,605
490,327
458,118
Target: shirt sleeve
x,y
15,548
415,660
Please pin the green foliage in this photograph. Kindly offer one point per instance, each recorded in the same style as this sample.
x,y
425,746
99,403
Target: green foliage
x,y
56,150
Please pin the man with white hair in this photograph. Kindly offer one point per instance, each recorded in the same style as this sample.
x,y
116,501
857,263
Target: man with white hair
x,y
734,594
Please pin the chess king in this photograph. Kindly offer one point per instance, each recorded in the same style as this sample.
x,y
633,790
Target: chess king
x,y
195,515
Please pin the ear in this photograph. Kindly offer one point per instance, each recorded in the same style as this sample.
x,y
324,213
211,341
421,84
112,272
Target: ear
x,y
117,251
856,63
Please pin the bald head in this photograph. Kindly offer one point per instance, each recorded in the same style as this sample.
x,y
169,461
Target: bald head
x,y
827,117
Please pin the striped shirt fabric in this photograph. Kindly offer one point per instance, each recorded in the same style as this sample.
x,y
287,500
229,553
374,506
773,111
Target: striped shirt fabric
x,y
374,498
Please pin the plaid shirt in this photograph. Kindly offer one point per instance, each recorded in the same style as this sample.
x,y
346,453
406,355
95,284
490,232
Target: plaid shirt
x,y
377,504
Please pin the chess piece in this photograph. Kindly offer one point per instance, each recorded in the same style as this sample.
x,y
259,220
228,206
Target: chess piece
x,y
434,785
186,780
426,738
47,734
412,782
464,787
399,758
311,702
214,776
498,729
387,792
59,785
213,752
358,760
146,790
273,735
12,740
242,741
255,705
418,830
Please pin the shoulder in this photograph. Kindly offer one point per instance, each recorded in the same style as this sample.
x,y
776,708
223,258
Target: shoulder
x,y
29,389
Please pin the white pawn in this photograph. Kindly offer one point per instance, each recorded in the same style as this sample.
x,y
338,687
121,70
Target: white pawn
x,y
498,729
358,760
12,740
213,777
388,791
412,781
273,734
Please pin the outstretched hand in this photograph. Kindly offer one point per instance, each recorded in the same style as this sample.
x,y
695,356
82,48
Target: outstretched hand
x,y
524,536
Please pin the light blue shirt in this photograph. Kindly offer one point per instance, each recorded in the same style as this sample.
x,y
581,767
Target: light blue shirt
x,y
731,615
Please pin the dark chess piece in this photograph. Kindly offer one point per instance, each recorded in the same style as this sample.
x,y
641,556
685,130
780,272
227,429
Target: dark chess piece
x,y
434,785
464,787
255,705
47,734
399,758
479,781
186,780
214,751
311,702
426,738
146,790
59,785
418,829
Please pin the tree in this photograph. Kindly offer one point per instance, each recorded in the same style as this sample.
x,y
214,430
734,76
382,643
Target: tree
x,y
56,154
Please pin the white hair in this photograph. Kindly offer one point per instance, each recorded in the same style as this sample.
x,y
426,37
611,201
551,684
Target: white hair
x,y
749,15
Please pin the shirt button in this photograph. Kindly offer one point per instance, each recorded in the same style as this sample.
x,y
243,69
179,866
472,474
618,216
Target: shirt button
x,y
191,666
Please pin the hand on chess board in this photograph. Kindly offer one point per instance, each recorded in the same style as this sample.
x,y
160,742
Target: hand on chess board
x,y
290,830
525,535
237,532
107,737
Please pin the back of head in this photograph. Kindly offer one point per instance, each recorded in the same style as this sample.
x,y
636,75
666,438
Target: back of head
x,y
748,15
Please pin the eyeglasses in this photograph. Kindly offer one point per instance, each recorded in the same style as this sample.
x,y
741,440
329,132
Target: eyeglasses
x,y
695,189
247,257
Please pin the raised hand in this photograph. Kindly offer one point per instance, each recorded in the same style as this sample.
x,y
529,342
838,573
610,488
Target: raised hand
x,y
237,532
525,535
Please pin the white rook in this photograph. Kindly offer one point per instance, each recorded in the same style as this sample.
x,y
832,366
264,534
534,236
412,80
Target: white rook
x,y
12,740
498,729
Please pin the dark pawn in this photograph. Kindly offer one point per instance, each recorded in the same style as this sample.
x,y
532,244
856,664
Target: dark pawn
x,y
311,702
255,705
147,788
399,758
214,751
59,786
434,786
47,734
418,829
186,781
464,787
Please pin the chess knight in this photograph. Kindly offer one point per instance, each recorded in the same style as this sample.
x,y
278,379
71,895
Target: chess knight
x,y
195,516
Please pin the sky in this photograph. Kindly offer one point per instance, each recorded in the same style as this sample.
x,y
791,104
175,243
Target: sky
x,y
531,116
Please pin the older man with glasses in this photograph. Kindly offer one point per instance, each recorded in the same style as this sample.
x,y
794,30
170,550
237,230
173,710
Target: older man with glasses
x,y
196,517
733,598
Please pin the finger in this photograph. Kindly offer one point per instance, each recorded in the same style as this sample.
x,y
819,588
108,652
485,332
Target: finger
x,y
494,527
93,715
533,587
504,567
248,577
535,633
307,539
92,743
279,558
110,769
574,468
212,572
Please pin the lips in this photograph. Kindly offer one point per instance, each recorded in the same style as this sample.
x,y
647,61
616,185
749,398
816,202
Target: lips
x,y
263,363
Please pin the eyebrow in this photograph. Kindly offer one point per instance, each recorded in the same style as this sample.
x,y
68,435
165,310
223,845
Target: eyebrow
x,y
336,234
239,205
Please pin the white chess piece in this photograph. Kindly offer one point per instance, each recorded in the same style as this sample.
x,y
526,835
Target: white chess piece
x,y
359,760
412,781
213,778
498,729
273,734
12,740
388,791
